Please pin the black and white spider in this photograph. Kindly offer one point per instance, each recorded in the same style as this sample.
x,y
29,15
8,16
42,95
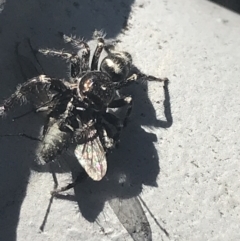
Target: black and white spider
x,y
77,110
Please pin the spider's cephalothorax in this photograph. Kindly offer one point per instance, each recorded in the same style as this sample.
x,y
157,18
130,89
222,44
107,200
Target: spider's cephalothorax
x,y
77,110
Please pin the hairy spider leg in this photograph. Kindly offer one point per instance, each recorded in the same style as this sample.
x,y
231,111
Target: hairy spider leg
x,y
134,77
41,108
81,45
97,53
151,78
23,90
126,82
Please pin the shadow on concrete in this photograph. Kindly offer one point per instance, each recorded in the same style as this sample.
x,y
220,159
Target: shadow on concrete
x,y
233,5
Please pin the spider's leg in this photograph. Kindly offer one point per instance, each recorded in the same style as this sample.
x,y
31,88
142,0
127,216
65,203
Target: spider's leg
x,y
73,59
25,89
83,46
135,77
45,107
126,82
56,53
36,110
100,45
151,78
122,102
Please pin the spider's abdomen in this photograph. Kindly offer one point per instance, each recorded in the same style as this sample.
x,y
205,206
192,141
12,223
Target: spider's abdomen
x,y
96,88
54,142
117,65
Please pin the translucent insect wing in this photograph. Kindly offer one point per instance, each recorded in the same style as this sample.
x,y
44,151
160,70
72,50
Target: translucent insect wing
x,y
92,158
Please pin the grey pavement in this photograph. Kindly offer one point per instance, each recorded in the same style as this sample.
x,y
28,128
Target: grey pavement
x,y
180,152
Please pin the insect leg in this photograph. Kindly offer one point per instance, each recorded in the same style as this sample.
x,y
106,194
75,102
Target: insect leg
x,y
106,136
122,102
64,118
100,38
80,44
80,178
23,90
115,121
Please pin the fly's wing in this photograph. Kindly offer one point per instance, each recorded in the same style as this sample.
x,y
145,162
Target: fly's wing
x,y
92,158
131,214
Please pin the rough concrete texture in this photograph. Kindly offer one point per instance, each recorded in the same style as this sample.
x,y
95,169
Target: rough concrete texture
x,y
187,174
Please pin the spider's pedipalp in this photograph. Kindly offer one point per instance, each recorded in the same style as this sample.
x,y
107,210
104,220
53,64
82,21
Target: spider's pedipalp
x,y
99,34
84,49
77,43
97,53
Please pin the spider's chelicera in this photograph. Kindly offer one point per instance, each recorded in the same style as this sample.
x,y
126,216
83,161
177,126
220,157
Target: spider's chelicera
x,y
77,110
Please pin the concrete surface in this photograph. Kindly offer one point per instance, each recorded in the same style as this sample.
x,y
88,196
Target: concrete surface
x,y
187,175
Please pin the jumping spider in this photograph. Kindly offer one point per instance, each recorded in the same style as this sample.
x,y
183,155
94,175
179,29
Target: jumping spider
x,y
77,110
